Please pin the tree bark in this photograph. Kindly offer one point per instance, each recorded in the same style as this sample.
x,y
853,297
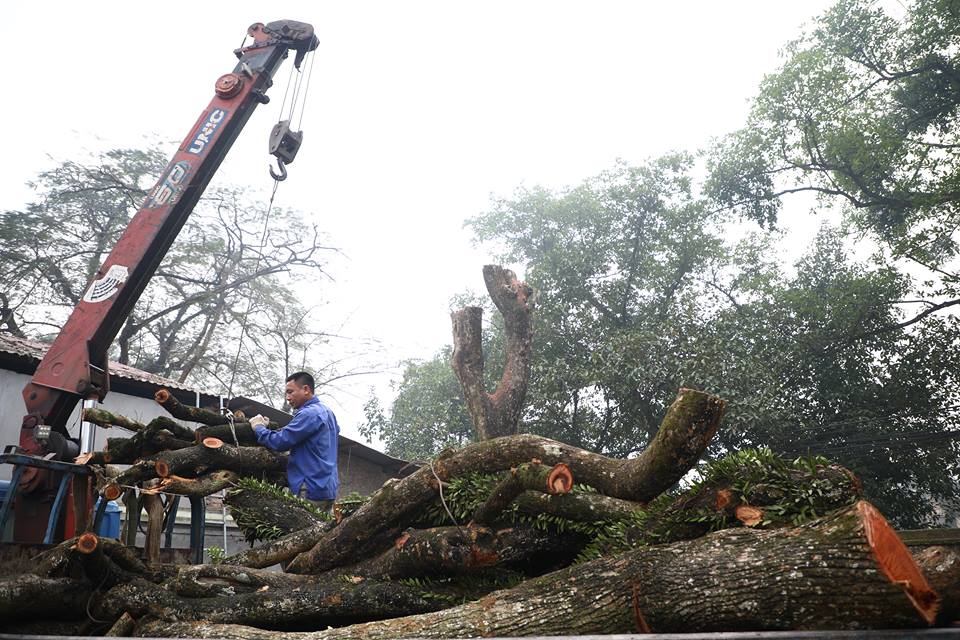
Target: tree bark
x,y
687,428
941,566
579,507
498,413
195,487
183,412
29,596
107,419
309,605
848,570
452,551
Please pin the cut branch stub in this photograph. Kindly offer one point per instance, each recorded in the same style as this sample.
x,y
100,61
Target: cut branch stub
x,y
193,414
498,413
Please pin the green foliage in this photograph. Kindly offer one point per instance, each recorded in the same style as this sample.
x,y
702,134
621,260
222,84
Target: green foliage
x,y
427,416
464,494
790,492
453,591
863,111
216,554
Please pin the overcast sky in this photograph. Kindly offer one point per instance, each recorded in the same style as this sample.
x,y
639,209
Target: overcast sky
x,y
417,113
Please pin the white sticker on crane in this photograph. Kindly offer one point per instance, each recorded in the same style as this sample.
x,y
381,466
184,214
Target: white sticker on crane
x,y
105,287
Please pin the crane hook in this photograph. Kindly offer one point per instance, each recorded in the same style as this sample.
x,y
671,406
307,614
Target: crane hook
x,y
283,171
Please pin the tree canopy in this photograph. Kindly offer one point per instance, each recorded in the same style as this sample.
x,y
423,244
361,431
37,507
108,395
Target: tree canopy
x,y
220,312
641,289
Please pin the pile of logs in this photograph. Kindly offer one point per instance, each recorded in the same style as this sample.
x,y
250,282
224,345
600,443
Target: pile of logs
x,y
512,536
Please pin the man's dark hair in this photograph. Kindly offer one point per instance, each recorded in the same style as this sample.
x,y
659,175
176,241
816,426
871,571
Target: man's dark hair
x,y
301,378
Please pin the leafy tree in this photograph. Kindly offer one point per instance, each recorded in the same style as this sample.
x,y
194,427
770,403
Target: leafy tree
x,y
642,290
864,113
428,415
220,303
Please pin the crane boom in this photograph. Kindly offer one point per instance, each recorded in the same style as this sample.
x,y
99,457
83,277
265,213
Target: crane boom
x,y
75,366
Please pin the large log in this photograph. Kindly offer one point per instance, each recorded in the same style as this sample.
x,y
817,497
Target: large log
x,y
452,551
847,570
29,597
689,425
309,605
245,434
208,580
183,412
279,550
495,414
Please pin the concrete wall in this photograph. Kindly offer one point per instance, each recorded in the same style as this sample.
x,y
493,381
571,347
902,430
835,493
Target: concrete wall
x,y
11,413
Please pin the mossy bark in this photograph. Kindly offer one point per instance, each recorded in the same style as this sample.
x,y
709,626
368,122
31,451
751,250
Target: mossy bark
x,y
309,605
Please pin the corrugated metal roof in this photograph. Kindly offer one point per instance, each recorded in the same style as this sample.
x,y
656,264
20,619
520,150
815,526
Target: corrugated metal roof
x,y
34,350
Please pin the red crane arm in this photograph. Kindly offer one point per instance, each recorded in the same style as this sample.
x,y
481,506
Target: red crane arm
x,y
75,366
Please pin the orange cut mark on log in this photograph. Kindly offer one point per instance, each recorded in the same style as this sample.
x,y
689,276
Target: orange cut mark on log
x,y
749,516
724,498
88,543
642,625
896,561
401,541
559,480
212,443
161,396
112,491
162,468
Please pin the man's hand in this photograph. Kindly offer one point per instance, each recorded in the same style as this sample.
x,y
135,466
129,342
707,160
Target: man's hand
x,y
259,421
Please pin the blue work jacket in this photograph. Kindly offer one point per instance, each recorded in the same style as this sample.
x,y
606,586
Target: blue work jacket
x,y
311,438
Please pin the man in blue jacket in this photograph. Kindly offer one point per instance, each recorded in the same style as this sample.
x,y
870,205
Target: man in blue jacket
x,y
311,438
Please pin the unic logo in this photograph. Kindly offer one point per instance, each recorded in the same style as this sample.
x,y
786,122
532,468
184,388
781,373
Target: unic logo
x,y
206,131
168,189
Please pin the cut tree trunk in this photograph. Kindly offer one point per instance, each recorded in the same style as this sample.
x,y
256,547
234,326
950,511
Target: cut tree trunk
x,y
195,487
183,412
848,570
309,605
498,413
29,597
452,551
689,425
153,505
533,476
245,433
215,454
